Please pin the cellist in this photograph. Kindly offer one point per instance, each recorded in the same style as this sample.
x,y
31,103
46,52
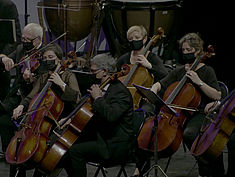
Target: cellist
x,y
64,83
137,37
203,79
111,137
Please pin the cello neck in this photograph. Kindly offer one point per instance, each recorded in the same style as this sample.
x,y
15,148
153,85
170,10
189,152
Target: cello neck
x,y
44,90
182,81
136,65
144,50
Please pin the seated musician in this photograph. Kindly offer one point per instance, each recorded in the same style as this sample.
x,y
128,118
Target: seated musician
x,y
110,135
137,37
213,166
64,83
203,79
31,39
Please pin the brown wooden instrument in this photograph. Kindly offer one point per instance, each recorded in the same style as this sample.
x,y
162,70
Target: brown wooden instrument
x,y
28,144
210,143
139,75
170,128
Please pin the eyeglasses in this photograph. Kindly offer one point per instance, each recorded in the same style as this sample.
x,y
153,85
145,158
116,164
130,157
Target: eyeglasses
x,y
25,39
95,71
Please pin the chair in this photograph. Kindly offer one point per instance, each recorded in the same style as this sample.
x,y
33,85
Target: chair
x,y
138,120
224,89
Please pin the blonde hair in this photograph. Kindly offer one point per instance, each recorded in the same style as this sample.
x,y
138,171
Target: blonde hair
x,y
139,29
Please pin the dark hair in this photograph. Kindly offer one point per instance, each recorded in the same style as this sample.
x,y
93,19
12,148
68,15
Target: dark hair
x,y
56,49
194,40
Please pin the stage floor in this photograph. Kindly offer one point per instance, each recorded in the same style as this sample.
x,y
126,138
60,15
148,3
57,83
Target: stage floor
x,y
182,165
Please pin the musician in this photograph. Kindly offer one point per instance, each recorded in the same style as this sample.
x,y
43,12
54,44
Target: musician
x,y
111,136
230,146
137,37
31,39
64,85
204,80
8,10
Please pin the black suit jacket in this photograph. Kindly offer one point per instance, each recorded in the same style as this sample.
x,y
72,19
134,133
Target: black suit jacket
x,y
114,121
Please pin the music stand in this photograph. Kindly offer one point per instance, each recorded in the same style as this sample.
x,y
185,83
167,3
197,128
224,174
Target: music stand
x,y
158,102
7,31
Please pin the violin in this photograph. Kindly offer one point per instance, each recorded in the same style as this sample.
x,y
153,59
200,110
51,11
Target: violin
x,y
32,64
182,94
138,74
66,136
211,141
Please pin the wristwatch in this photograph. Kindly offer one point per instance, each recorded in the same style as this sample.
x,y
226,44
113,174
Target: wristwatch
x,y
200,84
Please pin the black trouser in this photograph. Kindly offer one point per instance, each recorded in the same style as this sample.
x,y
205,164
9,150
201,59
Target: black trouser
x,y
74,161
191,131
7,130
143,160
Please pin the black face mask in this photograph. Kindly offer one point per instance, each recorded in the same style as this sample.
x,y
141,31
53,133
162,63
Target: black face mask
x,y
27,46
45,66
188,58
136,45
95,80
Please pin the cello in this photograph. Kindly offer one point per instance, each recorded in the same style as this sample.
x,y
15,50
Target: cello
x,y
170,128
29,143
65,137
210,143
139,75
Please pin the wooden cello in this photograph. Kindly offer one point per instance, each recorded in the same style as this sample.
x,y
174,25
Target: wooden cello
x,y
66,136
138,74
29,143
170,128
212,140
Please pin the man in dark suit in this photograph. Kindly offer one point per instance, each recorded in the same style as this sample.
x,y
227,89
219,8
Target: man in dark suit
x,y
111,136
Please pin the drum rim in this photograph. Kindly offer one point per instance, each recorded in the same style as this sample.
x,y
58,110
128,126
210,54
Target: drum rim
x,y
144,1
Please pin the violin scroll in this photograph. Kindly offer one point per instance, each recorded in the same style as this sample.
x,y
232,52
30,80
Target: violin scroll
x,y
124,71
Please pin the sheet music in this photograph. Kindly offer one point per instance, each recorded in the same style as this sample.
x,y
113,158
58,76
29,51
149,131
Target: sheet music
x,y
153,98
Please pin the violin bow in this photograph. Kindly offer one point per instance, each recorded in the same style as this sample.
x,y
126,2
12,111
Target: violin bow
x,y
28,57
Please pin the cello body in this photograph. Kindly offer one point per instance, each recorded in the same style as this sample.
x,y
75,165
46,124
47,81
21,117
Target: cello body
x,y
169,129
67,137
29,144
142,77
216,135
